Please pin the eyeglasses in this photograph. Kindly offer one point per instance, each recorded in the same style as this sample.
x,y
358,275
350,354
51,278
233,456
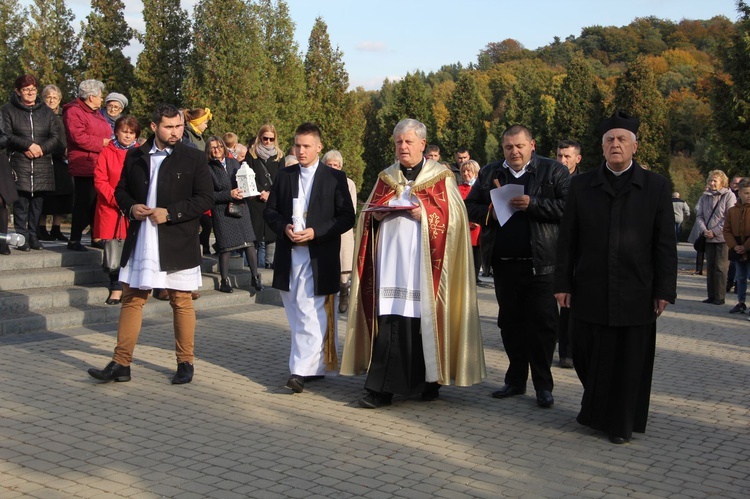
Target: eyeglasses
x,y
29,90
268,139
114,107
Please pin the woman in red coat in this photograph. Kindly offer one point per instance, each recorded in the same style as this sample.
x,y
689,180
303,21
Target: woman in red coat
x,y
106,176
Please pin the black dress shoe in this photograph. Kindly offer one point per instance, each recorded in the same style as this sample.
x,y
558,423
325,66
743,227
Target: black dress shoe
x,y
184,373
618,440
4,249
257,284
97,244
314,378
225,287
509,391
43,235
708,300
76,246
296,383
113,372
544,398
57,235
375,400
34,243
24,247
431,391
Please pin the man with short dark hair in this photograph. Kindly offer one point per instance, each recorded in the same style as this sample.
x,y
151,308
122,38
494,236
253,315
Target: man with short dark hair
x,y
462,155
432,152
569,154
616,270
308,208
523,258
164,188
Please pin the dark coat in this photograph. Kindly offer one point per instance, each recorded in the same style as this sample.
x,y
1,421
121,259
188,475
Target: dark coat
x,y
184,188
27,125
548,186
8,193
230,232
330,214
263,231
616,251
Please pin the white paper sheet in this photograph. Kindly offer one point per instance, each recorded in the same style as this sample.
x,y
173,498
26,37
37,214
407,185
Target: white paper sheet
x,y
501,197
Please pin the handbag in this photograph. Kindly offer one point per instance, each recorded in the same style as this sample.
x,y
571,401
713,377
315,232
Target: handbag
x,y
113,249
234,210
700,244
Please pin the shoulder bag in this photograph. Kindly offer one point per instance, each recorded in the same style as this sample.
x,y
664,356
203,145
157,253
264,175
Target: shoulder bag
x,y
113,249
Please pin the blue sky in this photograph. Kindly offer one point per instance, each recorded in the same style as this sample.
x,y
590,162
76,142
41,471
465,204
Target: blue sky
x,y
388,38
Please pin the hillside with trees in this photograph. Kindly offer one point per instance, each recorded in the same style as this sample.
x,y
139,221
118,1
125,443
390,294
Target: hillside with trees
x,y
688,82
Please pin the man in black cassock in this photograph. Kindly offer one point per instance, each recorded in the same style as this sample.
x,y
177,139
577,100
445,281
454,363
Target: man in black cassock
x,y
616,270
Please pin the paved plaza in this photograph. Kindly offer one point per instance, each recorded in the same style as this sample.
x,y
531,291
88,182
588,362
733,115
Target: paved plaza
x,y
237,432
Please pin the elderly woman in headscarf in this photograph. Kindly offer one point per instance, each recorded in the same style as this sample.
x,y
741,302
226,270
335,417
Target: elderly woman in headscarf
x,y
196,122
88,133
33,136
114,105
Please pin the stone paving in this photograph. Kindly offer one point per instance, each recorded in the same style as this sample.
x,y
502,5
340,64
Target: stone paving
x,y
237,432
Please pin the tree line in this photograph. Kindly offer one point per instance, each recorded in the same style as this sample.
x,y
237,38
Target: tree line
x,y
687,81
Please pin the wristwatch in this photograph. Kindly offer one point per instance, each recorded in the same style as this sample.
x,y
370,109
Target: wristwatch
x,y
169,218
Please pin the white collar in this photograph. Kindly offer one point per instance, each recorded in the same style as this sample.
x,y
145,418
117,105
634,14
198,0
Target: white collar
x,y
519,173
156,150
617,174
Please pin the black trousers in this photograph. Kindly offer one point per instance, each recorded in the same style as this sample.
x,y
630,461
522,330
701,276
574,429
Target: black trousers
x,y
84,207
528,321
564,348
397,364
26,213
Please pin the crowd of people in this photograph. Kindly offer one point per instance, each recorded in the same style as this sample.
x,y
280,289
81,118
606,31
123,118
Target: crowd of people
x,y
582,261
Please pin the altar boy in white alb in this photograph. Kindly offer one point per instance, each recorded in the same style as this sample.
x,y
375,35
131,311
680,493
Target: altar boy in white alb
x,y
309,207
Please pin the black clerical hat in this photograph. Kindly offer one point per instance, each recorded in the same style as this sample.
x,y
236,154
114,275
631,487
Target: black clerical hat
x,y
619,120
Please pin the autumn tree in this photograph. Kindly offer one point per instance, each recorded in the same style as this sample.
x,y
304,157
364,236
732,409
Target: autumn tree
x,y
103,37
579,111
730,97
11,32
531,103
286,71
228,67
161,66
466,124
50,49
330,106
637,95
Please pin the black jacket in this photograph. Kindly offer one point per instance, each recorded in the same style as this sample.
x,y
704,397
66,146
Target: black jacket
x,y
27,125
263,232
184,188
330,214
617,251
230,232
547,189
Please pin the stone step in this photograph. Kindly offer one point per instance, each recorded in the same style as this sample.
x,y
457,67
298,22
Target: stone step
x,y
88,314
54,255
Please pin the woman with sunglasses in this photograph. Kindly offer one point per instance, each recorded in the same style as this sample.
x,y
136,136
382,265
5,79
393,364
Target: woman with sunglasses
x,y
265,157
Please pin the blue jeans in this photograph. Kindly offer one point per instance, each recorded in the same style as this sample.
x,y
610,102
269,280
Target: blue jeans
x,y
740,277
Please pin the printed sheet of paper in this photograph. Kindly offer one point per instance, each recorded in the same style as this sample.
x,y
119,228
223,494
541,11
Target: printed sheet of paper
x,y
501,201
